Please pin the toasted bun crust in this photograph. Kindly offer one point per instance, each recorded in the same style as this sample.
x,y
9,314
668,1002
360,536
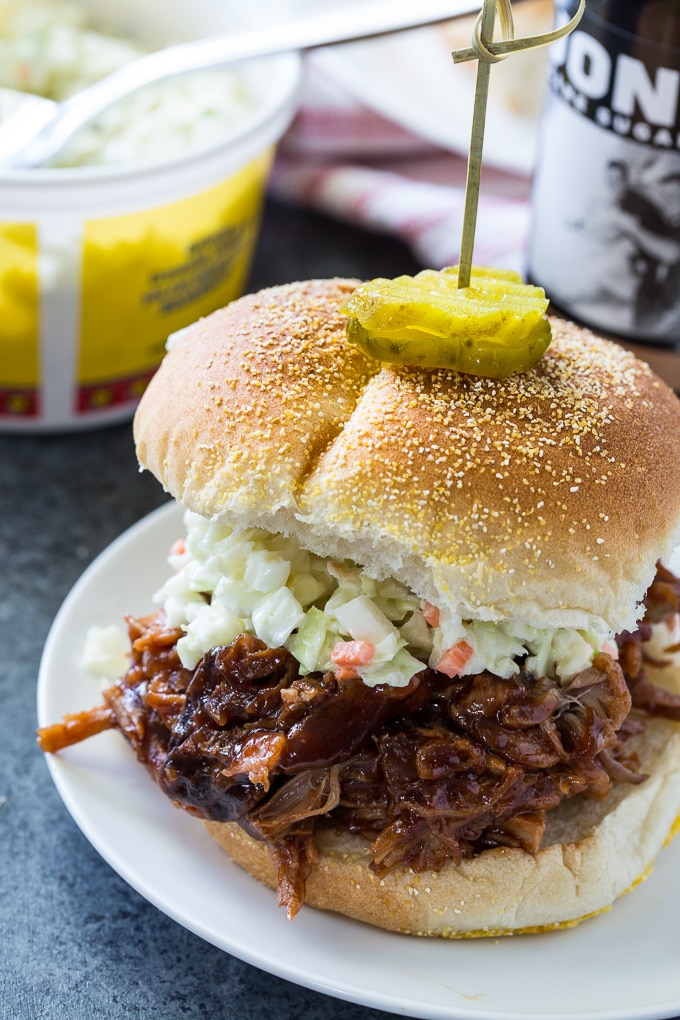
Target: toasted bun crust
x,y
546,498
591,854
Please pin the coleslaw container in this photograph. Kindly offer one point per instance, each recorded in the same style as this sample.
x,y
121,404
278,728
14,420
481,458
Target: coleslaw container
x,y
100,264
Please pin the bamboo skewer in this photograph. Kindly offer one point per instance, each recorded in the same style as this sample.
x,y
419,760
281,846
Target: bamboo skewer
x,y
486,52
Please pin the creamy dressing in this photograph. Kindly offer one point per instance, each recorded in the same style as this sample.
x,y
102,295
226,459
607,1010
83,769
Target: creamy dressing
x,y
229,582
52,51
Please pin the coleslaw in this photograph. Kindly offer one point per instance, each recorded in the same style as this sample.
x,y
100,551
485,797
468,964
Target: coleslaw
x,y
332,616
53,51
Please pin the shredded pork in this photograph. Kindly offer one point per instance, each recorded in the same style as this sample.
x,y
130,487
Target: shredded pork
x,y
439,770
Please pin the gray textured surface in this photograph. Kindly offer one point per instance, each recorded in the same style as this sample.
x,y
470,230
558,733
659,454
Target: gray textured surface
x,y
76,943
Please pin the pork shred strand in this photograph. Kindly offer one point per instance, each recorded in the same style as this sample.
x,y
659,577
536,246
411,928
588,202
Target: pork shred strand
x,y
662,602
439,770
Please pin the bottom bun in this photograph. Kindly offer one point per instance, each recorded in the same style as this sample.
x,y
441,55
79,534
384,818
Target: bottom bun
x,y
592,852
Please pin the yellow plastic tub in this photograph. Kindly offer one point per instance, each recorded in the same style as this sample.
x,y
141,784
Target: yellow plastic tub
x,y
99,264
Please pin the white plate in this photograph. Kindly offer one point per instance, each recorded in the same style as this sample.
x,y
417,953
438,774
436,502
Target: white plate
x,y
621,965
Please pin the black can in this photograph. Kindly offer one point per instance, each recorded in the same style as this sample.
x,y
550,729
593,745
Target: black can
x,y
605,240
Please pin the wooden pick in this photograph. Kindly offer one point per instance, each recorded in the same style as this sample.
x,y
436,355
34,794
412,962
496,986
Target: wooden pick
x,y
486,52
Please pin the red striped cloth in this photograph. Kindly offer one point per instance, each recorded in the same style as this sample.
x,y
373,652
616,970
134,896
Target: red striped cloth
x,y
344,159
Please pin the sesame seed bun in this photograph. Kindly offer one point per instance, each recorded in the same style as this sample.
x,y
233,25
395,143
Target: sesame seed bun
x,y
545,498
593,851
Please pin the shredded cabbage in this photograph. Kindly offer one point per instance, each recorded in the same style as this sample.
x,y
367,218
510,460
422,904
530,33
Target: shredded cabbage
x,y
51,50
229,582
105,652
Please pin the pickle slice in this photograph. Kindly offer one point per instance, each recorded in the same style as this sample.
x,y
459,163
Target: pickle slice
x,y
492,328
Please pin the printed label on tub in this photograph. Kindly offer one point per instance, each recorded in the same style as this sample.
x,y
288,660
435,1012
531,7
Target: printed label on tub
x,y
86,307
149,273
19,335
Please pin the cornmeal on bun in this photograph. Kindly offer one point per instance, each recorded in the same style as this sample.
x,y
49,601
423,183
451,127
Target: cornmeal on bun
x,y
415,660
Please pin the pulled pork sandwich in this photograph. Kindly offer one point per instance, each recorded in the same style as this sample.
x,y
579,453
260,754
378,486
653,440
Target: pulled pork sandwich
x,y
412,664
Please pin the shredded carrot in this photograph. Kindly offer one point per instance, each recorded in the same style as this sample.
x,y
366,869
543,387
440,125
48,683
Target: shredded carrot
x,y
352,653
178,548
346,673
431,614
455,659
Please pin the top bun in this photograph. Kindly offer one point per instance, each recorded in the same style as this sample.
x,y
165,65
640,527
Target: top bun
x,y
546,498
